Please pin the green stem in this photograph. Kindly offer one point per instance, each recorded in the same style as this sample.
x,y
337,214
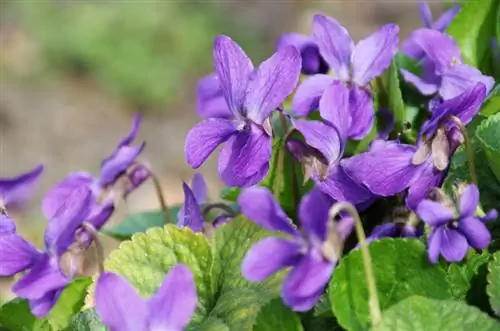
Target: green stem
x,y
207,208
373,302
468,148
99,251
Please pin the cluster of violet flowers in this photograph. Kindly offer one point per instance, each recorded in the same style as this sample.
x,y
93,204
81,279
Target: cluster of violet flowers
x,y
326,72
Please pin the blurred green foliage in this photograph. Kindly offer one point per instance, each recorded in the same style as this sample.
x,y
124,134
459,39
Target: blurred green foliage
x,y
144,53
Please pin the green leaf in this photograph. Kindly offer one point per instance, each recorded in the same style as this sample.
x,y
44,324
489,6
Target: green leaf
x,y
491,105
493,287
276,316
230,193
461,274
16,315
210,324
140,222
86,320
71,301
472,28
488,134
401,270
424,314
147,258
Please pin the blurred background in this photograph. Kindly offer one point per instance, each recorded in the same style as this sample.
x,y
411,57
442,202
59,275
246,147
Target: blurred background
x,y
73,73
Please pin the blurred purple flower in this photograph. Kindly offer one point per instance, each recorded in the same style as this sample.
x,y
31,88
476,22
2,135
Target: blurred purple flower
x,y
312,62
15,191
311,254
121,308
452,235
329,138
354,65
443,70
190,214
251,95
393,230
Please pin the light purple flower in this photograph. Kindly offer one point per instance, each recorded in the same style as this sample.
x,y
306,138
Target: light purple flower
x,y
312,62
443,70
393,230
354,65
329,137
190,214
451,235
15,191
210,100
310,254
251,95
121,308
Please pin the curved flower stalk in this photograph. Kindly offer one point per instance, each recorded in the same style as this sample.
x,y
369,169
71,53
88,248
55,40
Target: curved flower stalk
x,y
312,61
15,191
251,95
394,167
329,137
47,274
443,70
356,66
312,253
121,308
452,234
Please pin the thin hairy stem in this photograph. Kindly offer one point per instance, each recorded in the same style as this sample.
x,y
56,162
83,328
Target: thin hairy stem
x,y
98,249
373,303
468,148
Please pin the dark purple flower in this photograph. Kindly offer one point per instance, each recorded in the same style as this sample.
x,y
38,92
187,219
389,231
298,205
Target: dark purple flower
x,y
329,138
15,191
121,308
451,235
190,214
312,62
393,230
311,254
443,70
251,95
354,65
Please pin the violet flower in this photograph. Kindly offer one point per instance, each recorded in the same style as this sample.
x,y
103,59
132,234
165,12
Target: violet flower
x,y
312,61
329,138
251,95
392,168
311,254
354,65
451,234
210,101
121,308
393,230
443,70
190,214
15,191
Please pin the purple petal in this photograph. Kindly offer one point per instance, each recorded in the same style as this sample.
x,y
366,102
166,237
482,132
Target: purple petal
x,y
16,254
272,83
335,44
335,107
435,240
385,171
204,138
259,205
306,280
382,231
308,94
314,213
425,13
233,67
174,303
244,155
424,87
412,49
101,213
490,216
296,40
361,106
210,101
475,231
462,77
61,229
268,256
118,305
453,245
469,201
44,277
445,19
41,307
439,47
340,187
433,213
60,193
15,191
190,213
428,178
323,137
130,137
199,188
312,62
136,177
115,165
7,226
373,55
